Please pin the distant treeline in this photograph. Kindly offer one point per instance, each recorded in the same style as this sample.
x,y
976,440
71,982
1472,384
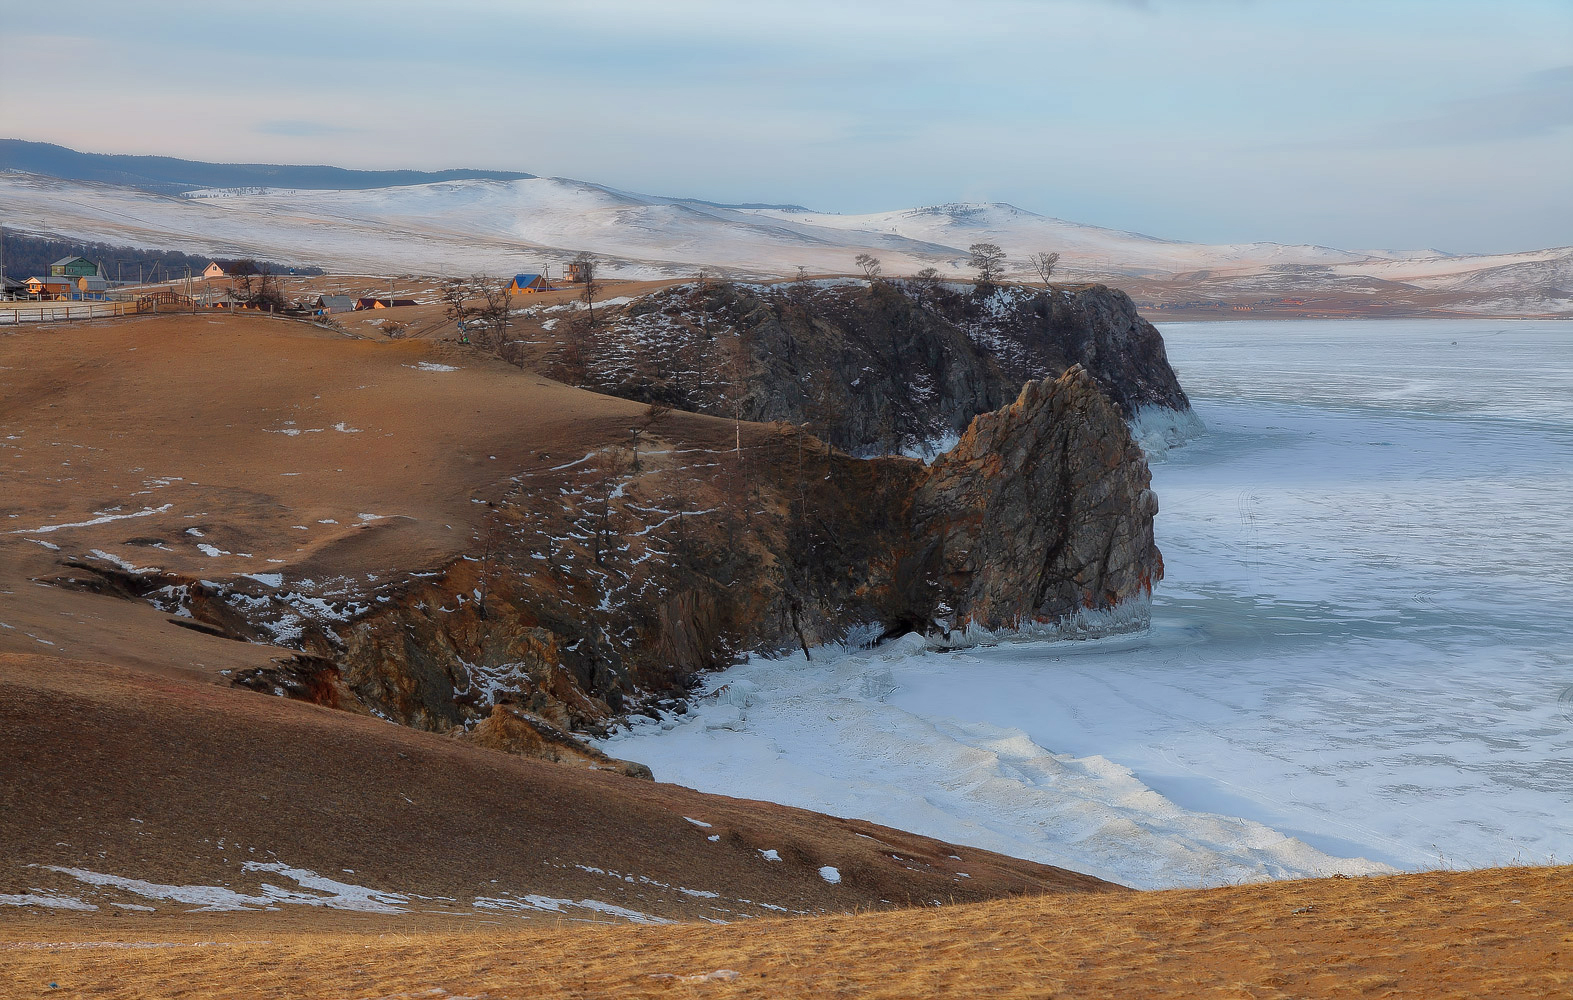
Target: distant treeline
x,y
28,256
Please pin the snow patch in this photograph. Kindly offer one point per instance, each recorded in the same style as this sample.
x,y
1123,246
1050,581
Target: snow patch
x,y
102,519
213,898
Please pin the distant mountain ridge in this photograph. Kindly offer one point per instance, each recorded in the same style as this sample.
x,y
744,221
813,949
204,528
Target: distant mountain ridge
x,y
171,175
462,222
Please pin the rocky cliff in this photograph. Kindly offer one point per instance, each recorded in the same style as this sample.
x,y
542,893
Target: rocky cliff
x,y
556,593
1043,508
875,368
604,587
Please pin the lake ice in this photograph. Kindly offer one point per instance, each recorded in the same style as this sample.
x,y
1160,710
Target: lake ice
x,y
1361,656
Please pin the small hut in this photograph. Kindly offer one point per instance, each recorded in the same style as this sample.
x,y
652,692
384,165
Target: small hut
x,y
527,284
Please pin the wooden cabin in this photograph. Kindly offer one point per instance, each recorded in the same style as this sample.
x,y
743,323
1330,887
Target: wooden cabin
x,y
52,287
527,284
212,270
73,267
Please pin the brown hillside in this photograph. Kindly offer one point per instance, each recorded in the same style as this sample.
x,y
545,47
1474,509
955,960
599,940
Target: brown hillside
x,y
1466,935
124,773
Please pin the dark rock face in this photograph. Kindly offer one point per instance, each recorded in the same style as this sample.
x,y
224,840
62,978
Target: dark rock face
x,y
872,369
1043,508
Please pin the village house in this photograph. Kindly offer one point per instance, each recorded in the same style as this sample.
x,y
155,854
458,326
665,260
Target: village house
x,y
212,270
526,284
52,287
371,303
91,287
73,267
327,304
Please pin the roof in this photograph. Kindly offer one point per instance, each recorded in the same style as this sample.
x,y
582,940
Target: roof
x,y
6,282
336,302
68,260
53,279
525,279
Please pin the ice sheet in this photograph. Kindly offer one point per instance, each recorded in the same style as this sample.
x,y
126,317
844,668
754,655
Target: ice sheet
x,y
1363,648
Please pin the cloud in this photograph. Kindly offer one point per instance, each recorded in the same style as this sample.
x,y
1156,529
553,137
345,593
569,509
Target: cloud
x,y
1543,104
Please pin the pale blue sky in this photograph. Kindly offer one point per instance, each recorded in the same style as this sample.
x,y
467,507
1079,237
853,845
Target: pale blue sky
x,y
1381,123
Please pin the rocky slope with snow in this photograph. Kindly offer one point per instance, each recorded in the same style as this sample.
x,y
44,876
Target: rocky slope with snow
x,y
524,568
659,572
873,368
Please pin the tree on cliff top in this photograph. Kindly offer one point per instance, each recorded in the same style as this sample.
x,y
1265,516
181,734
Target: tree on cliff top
x,y
989,260
1044,264
869,265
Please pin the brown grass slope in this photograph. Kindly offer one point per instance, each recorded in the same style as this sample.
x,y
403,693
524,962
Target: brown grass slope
x,y
210,446
126,773
1505,934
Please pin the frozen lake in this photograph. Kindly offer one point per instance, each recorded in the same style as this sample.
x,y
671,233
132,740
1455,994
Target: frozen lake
x,y
1361,657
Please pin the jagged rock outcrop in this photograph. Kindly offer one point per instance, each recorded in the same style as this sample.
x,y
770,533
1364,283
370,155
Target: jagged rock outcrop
x,y
1042,508
875,368
608,592
1041,511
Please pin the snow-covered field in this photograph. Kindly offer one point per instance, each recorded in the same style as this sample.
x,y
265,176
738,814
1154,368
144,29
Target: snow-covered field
x,y
500,227
1363,648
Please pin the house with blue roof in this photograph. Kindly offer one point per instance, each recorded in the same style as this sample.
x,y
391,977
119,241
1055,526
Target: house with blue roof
x,y
524,284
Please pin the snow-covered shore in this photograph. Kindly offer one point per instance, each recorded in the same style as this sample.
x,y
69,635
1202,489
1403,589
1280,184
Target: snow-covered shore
x,y
1360,651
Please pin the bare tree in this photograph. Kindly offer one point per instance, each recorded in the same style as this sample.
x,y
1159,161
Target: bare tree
x,y
869,265
802,273
927,278
456,295
653,414
989,260
1044,264
491,313
734,374
585,267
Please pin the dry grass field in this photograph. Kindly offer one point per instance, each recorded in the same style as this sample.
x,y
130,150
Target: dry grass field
x,y
1505,934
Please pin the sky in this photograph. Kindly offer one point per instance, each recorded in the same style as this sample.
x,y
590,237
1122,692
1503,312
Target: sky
x,y
1351,123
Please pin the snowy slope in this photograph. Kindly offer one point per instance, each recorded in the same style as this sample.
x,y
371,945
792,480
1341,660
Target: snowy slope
x,y
1021,233
501,226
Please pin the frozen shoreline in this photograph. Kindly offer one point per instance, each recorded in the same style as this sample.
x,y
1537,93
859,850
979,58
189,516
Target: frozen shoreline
x,y
1356,653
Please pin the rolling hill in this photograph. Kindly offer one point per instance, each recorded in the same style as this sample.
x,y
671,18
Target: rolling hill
x,y
464,222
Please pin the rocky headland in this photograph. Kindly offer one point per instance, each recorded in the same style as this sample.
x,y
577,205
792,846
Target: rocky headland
x,y
896,366
601,585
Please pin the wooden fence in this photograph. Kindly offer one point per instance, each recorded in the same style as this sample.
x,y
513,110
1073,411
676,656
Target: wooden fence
x,y
12,313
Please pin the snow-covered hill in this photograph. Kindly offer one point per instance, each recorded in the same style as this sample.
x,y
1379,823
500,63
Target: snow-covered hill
x,y
503,226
